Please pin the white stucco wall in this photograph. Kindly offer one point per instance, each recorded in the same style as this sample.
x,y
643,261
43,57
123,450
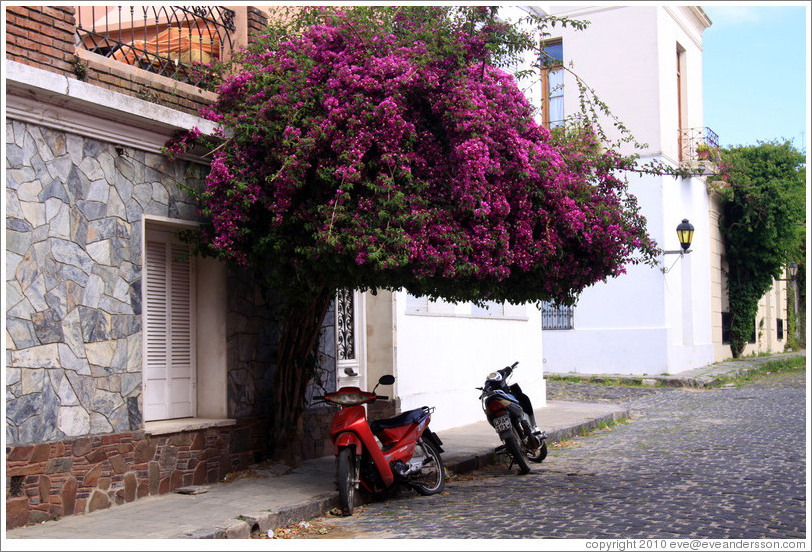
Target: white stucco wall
x,y
441,359
646,321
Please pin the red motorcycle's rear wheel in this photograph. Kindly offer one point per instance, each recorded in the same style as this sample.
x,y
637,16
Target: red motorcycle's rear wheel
x,y
431,479
347,480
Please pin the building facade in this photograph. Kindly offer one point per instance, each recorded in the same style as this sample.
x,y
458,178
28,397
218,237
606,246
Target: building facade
x,y
132,367
668,319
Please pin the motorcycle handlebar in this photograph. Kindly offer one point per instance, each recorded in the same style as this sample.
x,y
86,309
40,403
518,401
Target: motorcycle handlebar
x,y
509,369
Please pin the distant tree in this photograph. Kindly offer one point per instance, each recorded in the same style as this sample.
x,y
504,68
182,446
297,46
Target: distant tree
x,y
763,225
384,149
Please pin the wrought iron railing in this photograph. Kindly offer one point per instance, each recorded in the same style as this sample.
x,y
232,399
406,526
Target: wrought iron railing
x,y
556,317
694,142
167,40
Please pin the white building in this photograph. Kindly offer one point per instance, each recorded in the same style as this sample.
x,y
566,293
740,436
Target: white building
x,y
645,62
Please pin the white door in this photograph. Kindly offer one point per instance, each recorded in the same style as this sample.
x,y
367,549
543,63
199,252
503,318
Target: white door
x,y
350,339
169,373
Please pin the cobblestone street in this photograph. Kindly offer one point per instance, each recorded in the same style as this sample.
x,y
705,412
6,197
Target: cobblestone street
x,y
721,463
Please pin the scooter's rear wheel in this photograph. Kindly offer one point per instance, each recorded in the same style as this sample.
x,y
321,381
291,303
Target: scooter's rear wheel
x,y
346,480
431,478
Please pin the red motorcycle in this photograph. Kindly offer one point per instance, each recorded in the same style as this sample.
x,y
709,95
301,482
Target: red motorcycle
x,y
381,454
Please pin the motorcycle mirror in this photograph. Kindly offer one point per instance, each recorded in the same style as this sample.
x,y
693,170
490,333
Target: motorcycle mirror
x,y
388,379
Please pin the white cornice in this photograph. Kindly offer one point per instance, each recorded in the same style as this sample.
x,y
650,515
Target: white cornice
x,y
692,21
42,97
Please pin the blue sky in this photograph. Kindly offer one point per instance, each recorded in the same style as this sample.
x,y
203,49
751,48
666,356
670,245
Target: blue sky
x,y
755,72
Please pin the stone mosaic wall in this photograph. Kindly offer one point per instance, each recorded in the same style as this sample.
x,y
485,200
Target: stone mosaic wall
x,y
253,340
74,427
73,288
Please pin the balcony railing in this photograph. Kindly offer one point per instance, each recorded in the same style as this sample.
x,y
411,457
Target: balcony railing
x,y
167,40
694,142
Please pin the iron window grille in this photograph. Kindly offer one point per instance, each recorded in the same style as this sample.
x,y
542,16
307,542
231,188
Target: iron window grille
x,y
727,320
556,317
167,40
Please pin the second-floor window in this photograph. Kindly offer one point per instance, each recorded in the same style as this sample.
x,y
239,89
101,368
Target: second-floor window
x,y
552,84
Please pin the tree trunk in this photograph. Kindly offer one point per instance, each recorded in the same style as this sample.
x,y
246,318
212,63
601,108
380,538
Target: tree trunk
x,y
296,364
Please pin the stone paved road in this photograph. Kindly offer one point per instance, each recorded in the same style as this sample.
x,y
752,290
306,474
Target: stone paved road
x,y
725,463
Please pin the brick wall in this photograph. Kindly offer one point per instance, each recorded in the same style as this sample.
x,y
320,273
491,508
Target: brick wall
x,y
49,480
257,21
142,84
42,36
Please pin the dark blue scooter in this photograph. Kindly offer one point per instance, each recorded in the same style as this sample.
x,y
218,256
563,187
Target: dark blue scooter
x,y
510,413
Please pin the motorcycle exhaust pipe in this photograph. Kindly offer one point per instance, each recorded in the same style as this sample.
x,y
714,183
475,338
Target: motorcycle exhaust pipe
x,y
405,470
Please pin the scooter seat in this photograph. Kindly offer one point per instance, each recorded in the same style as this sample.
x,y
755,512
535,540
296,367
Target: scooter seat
x,y
402,419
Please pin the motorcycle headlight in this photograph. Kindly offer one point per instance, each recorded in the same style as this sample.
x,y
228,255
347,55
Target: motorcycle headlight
x,y
494,376
351,397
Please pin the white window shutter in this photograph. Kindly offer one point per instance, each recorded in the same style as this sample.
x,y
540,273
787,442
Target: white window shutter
x,y
169,373
181,357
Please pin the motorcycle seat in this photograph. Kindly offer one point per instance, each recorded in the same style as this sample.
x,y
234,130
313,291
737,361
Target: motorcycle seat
x,y
402,419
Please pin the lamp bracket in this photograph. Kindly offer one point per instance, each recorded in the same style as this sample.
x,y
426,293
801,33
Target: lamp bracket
x,y
680,252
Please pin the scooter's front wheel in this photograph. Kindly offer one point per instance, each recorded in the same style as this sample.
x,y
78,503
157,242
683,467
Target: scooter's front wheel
x,y
431,477
346,480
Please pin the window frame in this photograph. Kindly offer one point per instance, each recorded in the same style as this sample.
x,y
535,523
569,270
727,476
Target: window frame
x,y
493,310
546,68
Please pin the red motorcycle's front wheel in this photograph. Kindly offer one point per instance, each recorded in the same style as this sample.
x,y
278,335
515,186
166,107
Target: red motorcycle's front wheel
x,y
347,480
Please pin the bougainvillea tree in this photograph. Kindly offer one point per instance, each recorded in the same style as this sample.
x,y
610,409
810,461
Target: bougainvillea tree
x,y
384,149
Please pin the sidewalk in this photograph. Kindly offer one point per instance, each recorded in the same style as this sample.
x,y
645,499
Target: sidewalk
x,y
265,499
261,499
705,376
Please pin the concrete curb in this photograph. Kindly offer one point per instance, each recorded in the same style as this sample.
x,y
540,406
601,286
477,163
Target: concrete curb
x,y
243,526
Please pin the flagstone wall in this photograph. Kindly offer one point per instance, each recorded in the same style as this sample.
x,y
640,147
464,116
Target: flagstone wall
x,y
74,423
73,318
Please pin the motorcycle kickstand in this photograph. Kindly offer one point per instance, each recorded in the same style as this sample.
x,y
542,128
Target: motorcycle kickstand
x,y
502,449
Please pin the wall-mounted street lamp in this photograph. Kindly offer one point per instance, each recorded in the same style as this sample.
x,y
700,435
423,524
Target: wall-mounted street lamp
x,y
792,271
685,234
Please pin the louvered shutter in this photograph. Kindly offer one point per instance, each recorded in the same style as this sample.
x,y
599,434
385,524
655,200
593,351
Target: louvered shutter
x,y
169,369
